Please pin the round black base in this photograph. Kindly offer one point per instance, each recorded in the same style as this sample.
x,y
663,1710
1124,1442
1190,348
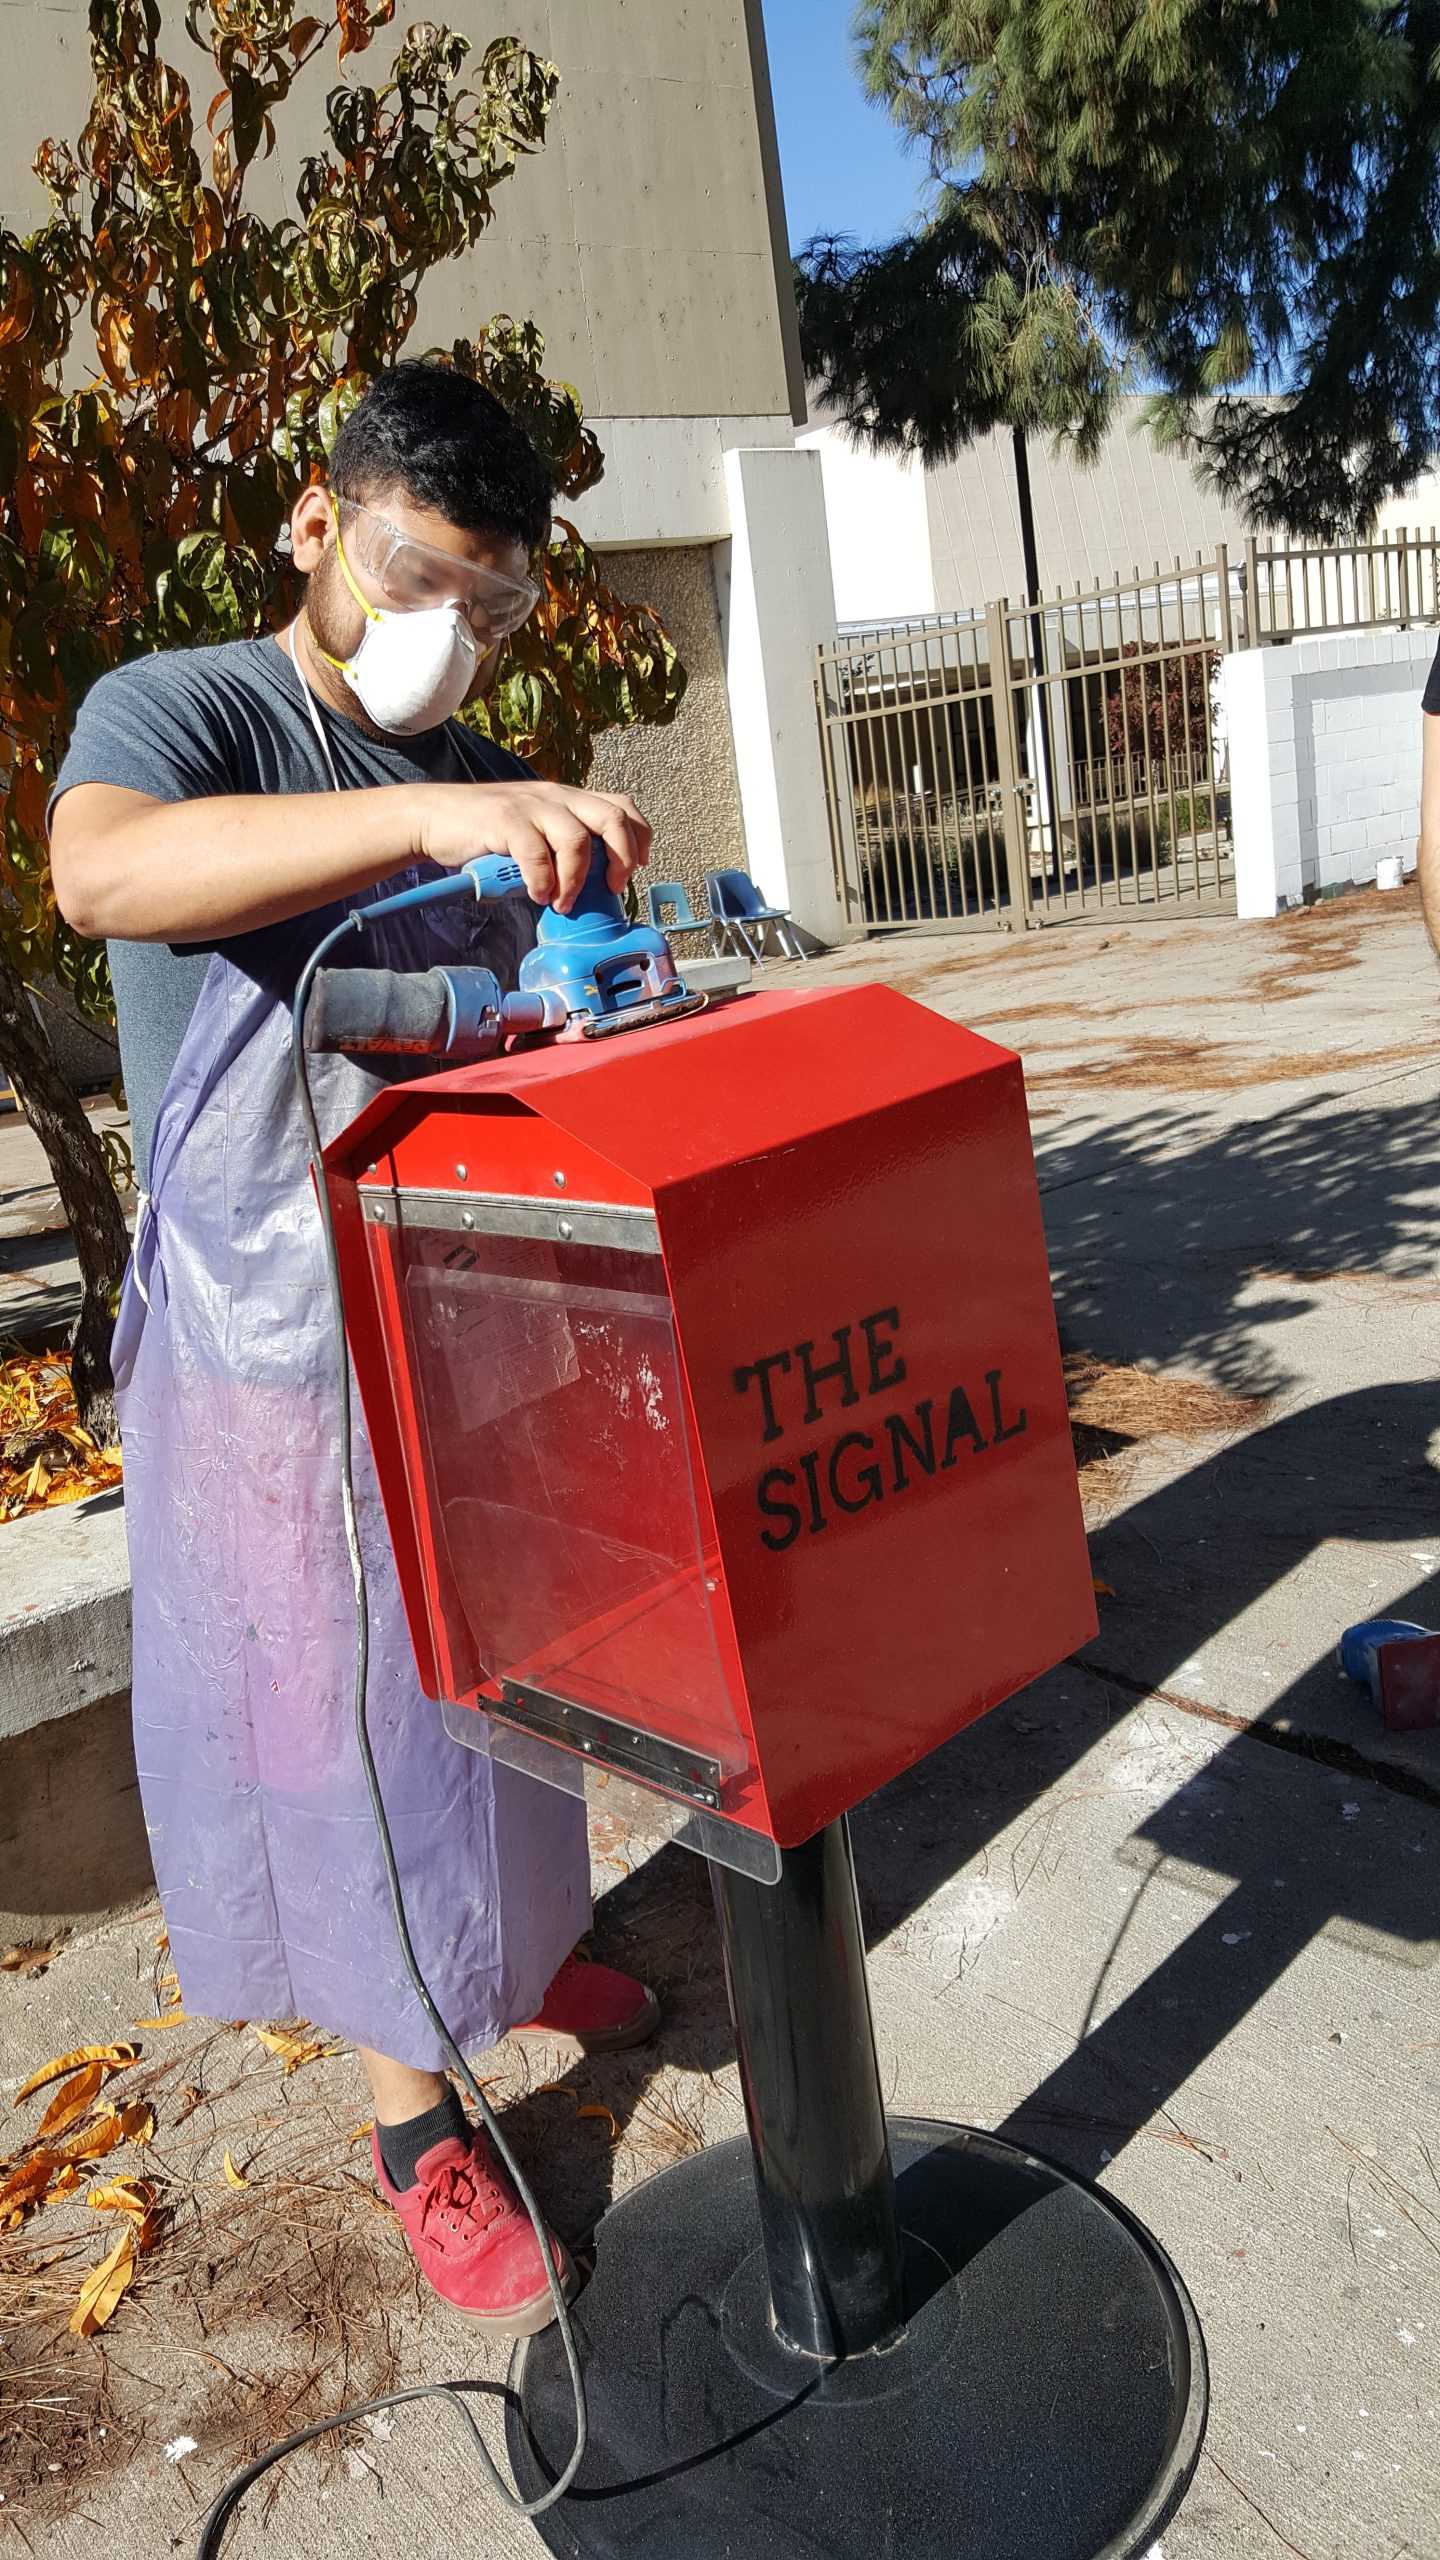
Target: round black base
x,y
1047,2402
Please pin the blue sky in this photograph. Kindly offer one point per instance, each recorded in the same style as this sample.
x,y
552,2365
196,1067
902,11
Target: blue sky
x,y
841,159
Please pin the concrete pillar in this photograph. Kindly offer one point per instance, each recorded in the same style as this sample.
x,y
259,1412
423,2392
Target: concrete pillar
x,y
1264,830
776,603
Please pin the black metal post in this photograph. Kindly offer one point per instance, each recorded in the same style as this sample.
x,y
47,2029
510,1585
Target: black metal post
x,y
795,1973
1050,805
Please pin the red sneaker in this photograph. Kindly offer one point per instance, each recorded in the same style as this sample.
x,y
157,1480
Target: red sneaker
x,y
472,2239
595,2007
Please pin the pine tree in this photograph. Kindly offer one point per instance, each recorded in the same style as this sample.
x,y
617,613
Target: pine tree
x,y
970,323
1239,198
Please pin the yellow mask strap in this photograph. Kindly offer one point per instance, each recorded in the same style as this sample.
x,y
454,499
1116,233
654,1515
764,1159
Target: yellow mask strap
x,y
372,612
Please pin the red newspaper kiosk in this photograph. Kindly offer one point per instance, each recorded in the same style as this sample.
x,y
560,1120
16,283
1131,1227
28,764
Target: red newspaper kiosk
x,y
714,1389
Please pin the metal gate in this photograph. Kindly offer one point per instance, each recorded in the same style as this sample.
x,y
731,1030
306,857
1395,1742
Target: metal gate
x,y
1032,763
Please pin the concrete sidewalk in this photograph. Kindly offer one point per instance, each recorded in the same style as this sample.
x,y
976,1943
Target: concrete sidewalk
x,y
39,1276
1171,1915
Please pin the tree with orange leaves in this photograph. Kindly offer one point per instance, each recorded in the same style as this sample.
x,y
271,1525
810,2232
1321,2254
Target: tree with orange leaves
x,y
142,510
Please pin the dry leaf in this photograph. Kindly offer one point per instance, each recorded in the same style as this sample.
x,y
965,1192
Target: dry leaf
x,y
233,2177
73,2099
162,1943
606,2117
67,2179
113,2056
134,2196
1104,1590
120,2124
94,2140
103,2287
361,2133
27,2184
172,2018
27,1959
37,1482
293,2050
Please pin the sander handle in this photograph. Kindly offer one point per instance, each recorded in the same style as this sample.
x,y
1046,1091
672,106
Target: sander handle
x,y
424,1013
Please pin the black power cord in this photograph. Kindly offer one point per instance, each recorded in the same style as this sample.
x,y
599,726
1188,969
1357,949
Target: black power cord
x,y
213,2525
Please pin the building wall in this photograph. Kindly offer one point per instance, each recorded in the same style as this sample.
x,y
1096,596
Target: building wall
x,y
648,241
1135,506
878,512
641,238
1323,740
1419,508
683,777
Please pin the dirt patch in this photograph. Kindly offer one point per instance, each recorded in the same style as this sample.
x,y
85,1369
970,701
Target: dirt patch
x,y
1108,1395
1024,1014
268,2303
1315,943
926,979
1114,1407
1319,941
1202,1066
304,2249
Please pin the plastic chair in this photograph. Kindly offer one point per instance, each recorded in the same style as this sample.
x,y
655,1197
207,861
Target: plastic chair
x,y
673,893
741,915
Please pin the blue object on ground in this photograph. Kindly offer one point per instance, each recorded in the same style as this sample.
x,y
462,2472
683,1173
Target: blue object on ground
x,y
1360,1645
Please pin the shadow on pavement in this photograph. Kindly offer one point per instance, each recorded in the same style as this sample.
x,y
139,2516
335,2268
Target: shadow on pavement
x,y
1159,1227
1352,1468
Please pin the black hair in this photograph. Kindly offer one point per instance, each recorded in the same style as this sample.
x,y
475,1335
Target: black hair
x,y
428,431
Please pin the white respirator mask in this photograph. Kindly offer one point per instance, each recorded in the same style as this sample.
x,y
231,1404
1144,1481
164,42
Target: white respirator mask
x,y
411,671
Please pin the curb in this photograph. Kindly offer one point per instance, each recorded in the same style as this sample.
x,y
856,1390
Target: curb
x,y
64,1612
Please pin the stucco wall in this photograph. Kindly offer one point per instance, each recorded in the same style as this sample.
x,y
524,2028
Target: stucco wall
x,y
683,777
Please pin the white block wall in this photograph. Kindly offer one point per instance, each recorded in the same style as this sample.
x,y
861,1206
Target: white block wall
x,y
1324,757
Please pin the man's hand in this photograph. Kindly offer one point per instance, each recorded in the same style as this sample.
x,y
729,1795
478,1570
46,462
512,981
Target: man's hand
x,y
547,827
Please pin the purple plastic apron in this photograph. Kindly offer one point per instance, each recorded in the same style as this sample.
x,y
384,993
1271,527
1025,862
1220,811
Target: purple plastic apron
x,y
244,1644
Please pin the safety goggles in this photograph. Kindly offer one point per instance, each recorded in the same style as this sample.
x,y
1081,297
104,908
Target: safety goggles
x,y
413,576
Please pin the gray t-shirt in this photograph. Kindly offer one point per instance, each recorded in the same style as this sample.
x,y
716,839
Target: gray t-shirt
x,y
200,723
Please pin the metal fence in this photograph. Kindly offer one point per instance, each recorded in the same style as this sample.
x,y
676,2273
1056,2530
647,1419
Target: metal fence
x,y
1027,763
1286,591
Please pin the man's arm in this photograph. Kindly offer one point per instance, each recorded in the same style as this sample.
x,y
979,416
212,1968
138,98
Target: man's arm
x,y
1430,826
146,870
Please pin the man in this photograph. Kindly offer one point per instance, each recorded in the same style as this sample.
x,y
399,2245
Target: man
x,y
218,810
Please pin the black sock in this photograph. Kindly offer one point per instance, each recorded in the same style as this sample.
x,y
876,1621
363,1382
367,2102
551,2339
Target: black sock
x,y
402,2145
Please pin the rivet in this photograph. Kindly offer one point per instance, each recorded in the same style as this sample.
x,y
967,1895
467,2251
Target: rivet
x,y
566,1229
462,1170
559,1181
467,1217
